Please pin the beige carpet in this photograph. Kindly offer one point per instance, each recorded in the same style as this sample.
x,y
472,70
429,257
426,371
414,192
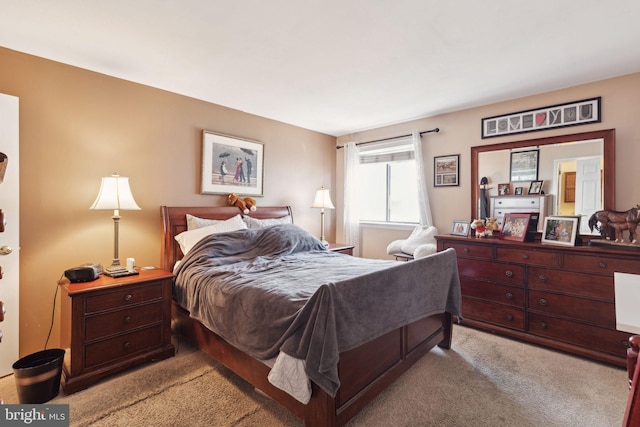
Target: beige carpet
x,y
484,380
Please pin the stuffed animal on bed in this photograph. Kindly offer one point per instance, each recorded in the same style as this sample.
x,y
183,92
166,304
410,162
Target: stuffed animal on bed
x,y
234,200
251,203
478,226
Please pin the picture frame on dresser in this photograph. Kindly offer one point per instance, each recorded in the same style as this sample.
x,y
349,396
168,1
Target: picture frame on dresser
x,y
460,228
515,226
560,230
535,187
504,189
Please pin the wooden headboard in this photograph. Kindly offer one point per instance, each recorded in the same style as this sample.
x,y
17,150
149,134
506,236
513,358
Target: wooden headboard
x,y
174,222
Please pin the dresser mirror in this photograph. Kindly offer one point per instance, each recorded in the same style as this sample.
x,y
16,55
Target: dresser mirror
x,y
577,170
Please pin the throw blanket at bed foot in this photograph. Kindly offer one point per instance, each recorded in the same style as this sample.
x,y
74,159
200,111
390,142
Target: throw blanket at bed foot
x,y
278,289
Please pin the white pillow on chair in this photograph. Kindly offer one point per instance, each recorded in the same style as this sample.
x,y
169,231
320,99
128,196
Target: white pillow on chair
x,y
420,235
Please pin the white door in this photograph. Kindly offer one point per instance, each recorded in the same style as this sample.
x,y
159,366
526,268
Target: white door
x,y
9,238
588,190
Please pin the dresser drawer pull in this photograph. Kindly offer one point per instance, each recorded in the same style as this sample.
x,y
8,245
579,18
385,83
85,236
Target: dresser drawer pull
x,y
128,297
543,279
525,256
509,317
543,325
126,345
127,319
466,250
509,295
602,264
508,273
625,344
543,301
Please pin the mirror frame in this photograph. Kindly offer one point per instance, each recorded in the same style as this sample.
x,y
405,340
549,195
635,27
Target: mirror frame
x,y
608,152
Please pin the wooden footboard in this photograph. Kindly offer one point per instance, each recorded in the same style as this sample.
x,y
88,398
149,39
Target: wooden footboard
x,y
364,372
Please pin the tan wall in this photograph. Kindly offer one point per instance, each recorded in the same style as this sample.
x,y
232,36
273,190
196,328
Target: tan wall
x,y
77,126
459,131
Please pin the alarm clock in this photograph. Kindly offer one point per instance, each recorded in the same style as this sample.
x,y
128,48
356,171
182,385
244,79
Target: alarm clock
x,y
83,273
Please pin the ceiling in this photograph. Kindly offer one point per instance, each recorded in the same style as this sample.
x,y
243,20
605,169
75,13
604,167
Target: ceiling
x,y
335,66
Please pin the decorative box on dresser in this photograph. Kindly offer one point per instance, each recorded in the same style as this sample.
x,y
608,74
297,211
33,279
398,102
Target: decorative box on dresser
x,y
557,296
111,324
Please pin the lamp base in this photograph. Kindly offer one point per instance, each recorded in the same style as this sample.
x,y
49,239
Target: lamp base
x,y
117,270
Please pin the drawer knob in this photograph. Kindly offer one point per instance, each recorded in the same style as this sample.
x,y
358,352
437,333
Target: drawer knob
x,y
525,256
602,264
126,345
543,301
543,325
466,250
509,295
128,297
508,273
127,319
625,344
543,279
509,317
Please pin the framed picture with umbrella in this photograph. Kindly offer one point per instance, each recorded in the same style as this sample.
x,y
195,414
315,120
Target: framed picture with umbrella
x,y
231,165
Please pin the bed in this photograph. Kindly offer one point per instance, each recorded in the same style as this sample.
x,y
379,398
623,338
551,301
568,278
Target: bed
x,y
364,365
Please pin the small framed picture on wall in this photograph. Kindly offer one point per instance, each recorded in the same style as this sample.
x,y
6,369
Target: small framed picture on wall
x,y
446,170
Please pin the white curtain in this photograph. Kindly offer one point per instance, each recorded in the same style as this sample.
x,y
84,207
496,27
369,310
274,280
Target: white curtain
x,y
423,198
351,219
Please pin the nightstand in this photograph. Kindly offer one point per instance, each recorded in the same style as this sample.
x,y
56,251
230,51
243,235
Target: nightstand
x,y
341,248
111,324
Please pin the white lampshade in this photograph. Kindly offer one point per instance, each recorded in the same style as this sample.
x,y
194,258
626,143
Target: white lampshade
x,y
115,194
627,295
322,199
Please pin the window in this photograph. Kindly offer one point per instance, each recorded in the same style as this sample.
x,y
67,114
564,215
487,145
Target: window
x,y
387,182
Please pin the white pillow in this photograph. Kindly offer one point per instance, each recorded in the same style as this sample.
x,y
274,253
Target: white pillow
x,y
194,222
254,223
187,239
419,236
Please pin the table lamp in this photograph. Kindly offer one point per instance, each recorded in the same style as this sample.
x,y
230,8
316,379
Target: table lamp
x,y
115,194
322,201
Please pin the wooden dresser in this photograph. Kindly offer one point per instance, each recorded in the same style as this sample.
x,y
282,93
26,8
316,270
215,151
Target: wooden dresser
x,y
557,296
111,324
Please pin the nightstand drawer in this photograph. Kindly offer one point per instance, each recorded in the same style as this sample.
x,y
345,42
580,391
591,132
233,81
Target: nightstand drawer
x,y
122,346
122,320
123,298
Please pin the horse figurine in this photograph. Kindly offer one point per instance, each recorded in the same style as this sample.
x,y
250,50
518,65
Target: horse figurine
x,y
613,223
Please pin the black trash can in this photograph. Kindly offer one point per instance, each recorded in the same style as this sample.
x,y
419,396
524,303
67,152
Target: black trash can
x,y
38,375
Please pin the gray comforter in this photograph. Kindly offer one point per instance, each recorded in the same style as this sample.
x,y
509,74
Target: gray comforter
x,y
278,289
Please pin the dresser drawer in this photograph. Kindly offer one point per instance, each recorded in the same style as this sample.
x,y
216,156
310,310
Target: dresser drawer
x,y
596,264
491,292
597,312
493,271
581,284
122,346
592,337
509,317
470,250
528,256
522,202
123,298
122,320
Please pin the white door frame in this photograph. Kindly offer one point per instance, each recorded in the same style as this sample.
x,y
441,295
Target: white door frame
x,y
10,205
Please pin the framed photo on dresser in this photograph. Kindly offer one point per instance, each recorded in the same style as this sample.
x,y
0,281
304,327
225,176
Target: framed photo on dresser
x,y
515,226
560,230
